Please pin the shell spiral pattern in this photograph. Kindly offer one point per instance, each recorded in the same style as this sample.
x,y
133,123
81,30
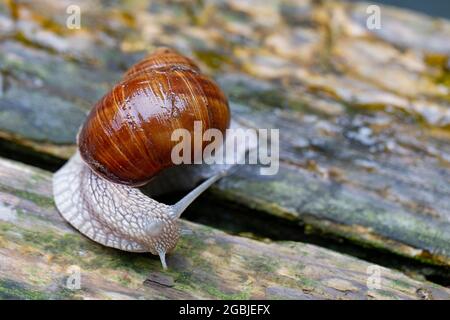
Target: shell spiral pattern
x,y
127,135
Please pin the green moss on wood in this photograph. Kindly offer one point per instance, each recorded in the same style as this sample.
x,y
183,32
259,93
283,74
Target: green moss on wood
x,y
39,200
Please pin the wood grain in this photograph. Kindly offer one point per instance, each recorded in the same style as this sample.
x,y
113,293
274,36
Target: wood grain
x,y
38,250
363,114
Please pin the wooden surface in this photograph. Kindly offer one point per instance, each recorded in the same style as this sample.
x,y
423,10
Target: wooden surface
x,y
364,119
37,248
364,116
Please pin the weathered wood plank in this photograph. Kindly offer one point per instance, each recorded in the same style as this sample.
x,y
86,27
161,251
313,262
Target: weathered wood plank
x,y
364,116
37,247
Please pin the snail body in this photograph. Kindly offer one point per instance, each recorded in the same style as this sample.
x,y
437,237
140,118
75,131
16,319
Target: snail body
x,y
125,142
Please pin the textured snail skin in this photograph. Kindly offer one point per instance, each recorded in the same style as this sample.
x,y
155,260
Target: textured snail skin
x,y
112,214
127,135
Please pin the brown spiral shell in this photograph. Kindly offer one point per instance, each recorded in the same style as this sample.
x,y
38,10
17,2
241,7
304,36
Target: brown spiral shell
x,y
126,137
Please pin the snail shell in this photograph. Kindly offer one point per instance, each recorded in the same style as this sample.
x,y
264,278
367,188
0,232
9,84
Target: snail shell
x,y
127,135
126,141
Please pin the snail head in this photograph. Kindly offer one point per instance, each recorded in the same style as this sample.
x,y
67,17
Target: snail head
x,y
161,236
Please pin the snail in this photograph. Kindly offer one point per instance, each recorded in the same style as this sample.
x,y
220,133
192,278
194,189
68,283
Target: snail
x,y
126,143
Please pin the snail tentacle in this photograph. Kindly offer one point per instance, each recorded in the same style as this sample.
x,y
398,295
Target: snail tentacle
x,y
162,257
180,206
218,170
